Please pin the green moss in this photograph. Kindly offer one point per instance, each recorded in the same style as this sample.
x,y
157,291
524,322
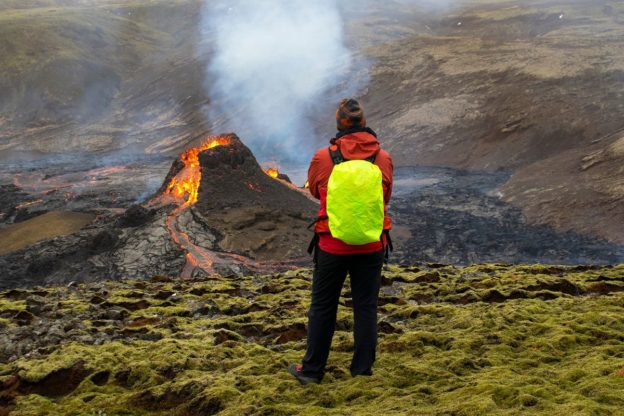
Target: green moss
x,y
161,311
10,307
76,306
35,370
445,356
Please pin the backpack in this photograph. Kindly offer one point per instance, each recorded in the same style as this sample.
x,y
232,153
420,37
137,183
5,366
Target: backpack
x,y
355,201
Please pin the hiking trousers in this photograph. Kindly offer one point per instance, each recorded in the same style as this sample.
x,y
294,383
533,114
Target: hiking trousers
x,y
330,273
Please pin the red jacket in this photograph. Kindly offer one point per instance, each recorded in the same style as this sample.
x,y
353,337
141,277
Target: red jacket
x,y
353,146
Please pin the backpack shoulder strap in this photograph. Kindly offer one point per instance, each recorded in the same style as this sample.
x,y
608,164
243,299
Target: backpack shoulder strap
x,y
338,158
336,155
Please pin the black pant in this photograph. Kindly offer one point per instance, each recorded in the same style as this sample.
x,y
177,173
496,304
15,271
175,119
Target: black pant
x,y
329,276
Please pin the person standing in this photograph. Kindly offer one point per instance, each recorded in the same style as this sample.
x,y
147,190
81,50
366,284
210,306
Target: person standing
x,y
353,181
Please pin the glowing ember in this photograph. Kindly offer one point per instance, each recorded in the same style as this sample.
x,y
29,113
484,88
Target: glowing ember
x,y
185,185
272,172
192,260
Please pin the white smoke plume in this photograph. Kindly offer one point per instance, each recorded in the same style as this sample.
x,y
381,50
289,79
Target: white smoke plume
x,y
276,65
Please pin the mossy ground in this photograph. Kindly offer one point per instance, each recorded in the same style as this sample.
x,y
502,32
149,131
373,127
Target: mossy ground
x,y
486,339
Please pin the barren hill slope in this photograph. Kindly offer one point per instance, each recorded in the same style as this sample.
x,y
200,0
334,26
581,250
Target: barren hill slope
x,y
500,86
532,87
98,77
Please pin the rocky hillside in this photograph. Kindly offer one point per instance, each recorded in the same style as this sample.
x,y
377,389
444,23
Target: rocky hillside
x,y
99,77
533,87
484,339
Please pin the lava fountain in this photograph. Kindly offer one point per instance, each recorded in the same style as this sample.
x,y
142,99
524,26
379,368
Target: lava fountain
x,y
185,185
272,172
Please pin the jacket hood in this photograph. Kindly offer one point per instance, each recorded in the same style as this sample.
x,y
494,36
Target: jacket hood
x,y
359,144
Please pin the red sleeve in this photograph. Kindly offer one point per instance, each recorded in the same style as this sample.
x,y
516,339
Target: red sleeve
x,y
384,161
319,171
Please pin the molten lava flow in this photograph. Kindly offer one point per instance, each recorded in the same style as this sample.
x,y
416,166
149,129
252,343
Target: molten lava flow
x,y
186,183
196,256
184,187
272,172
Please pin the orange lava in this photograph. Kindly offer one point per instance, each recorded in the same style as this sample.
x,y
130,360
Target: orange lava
x,y
185,185
192,260
272,172
196,256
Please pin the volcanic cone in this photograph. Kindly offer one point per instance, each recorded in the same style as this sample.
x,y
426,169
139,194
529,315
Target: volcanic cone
x,y
252,213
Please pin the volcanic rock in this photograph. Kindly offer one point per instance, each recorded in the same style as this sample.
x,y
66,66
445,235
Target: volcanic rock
x,y
284,177
104,241
135,216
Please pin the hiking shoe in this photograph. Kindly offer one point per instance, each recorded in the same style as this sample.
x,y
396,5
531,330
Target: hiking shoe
x,y
296,371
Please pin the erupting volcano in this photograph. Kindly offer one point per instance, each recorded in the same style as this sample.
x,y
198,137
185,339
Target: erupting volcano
x,y
220,185
217,211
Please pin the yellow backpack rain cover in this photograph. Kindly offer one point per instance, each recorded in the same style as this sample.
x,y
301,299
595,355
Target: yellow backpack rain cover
x,y
355,205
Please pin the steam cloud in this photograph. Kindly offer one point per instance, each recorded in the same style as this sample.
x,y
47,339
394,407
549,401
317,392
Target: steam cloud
x,y
277,64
